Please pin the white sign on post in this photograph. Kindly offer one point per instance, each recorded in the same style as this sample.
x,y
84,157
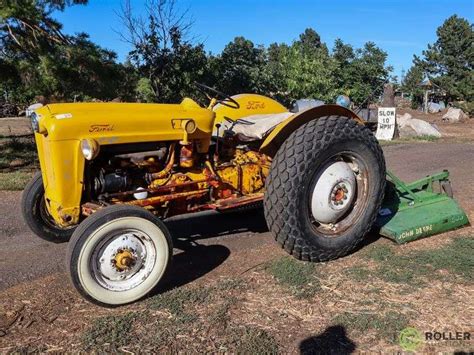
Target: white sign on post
x,y
386,123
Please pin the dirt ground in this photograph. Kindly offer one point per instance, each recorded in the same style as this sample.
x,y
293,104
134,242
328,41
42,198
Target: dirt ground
x,y
232,289
14,126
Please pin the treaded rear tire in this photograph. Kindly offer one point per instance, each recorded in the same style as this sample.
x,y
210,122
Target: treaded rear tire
x,y
32,203
288,185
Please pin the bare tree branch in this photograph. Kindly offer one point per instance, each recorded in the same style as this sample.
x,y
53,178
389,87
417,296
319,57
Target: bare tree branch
x,y
13,36
160,18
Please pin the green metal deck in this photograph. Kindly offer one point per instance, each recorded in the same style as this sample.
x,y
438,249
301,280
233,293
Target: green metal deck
x,y
416,210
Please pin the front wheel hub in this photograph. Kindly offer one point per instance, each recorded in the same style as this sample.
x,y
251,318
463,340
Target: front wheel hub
x,y
124,259
333,193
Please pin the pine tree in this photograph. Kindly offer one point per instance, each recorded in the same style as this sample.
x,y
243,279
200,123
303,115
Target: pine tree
x,y
450,60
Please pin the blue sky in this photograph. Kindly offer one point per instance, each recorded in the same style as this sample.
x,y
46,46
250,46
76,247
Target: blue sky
x,y
401,27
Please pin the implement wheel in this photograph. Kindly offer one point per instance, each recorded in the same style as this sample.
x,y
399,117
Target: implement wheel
x,y
325,188
36,216
118,255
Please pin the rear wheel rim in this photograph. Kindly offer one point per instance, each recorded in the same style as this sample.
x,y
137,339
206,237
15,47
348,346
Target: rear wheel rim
x,y
350,191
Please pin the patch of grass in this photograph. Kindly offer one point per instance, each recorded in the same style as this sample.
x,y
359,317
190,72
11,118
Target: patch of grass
x,y
14,181
374,290
378,252
176,301
257,341
230,285
425,138
358,273
110,331
21,150
297,275
401,271
28,350
250,340
392,267
387,325
455,257
193,310
221,313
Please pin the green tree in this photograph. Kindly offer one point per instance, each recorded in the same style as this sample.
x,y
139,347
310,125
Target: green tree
x,y
310,41
306,69
360,73
240,67
450,60
302,70
411,85
275,72
29,26
41,60
308,74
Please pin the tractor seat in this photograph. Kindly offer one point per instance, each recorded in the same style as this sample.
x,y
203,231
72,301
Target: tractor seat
x,y
252,128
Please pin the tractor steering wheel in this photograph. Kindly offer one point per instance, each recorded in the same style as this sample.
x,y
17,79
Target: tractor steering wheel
x,y
217,95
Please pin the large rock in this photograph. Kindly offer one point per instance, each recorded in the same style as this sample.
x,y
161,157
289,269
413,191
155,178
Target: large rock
x,y
455,115
403,120
406,132
423,128
412,127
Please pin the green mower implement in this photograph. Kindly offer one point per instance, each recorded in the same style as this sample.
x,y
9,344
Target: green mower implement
x,y
419,209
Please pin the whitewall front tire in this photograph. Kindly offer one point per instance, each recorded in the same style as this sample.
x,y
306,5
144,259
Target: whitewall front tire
x,y
118,255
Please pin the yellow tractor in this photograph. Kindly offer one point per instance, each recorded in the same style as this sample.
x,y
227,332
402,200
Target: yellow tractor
x,y
111,172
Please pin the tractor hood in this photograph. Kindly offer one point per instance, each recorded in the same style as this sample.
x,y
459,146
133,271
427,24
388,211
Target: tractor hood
x,y
112,123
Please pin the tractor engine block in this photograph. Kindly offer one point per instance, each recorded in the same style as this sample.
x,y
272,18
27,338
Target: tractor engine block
x,y
246,172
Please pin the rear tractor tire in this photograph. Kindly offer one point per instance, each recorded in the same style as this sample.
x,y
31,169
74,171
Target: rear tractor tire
x,y
118,255
36,216
325,188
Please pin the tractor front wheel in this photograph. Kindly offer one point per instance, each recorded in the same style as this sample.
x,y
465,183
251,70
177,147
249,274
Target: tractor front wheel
x,y
118,255
325,188
36,216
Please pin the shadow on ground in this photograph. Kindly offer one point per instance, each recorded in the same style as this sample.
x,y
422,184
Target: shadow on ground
x,y
210,225
197,259
333,340
193,263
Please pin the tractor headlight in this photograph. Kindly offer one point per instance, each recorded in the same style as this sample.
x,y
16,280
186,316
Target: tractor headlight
x,y
90,148
36,125
34,122
190,126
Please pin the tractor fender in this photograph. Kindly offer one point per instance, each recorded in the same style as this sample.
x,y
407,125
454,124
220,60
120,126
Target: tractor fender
x,y
283,130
